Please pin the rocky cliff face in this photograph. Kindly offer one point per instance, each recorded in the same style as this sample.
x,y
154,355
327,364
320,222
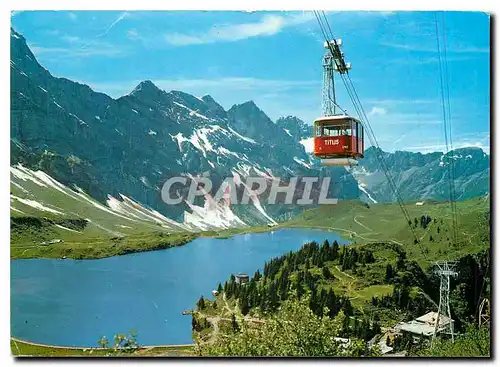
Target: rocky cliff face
x,y
425,176
129,146
295,127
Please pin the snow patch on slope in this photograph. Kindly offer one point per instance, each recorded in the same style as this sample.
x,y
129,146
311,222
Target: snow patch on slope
x,y
35,204
242,137
302,162
67,229
308,144
361,187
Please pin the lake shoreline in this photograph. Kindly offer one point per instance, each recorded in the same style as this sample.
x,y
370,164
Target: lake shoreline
x,y
65,250
86,351
106,248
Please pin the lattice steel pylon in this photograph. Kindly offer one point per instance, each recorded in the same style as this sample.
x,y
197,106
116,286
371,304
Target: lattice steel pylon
x,y
445,269
331,65
484,312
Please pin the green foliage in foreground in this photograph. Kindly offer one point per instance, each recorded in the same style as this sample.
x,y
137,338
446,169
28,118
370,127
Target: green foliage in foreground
x,y
294,330
473,343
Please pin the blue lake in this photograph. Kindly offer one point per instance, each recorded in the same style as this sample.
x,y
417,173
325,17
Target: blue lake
x,y
75,302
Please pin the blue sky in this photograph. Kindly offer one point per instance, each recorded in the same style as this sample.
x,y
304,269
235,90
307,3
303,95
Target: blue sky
x,y
274,59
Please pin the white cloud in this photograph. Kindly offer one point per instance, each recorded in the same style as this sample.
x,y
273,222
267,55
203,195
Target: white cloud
x,y
63,52
437,144
397,102
71,39
267,26
133,34
377,111
430,148
196,86
433,49
432,60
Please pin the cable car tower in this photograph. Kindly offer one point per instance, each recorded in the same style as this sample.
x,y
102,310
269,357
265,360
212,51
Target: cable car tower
x,y
329,102
338,138
445,270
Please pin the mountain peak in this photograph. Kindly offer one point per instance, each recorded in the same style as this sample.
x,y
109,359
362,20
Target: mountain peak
x,y
146,86
250,103
208,98
14,34
295,127
214,107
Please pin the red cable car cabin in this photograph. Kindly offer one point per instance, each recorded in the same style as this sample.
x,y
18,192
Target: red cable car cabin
x,y
338,138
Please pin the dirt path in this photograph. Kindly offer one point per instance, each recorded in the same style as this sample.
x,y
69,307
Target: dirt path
x,y
214,320
361,224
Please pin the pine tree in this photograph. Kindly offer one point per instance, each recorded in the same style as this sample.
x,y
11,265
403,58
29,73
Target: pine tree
x,y
201,303
331,303
234,324
194,323
314,303
245,306
257,276
262,303
345,326
356,331
389,272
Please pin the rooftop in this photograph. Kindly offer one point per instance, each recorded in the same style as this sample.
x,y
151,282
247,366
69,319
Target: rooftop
x,y
424,325
415,327
430,318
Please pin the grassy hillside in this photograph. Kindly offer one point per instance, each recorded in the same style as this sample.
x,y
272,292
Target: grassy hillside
x,y
382,278
49,219
364,223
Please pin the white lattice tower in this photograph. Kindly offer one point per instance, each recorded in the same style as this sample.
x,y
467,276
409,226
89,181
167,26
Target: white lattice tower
x,y
484,312
332,64
445,269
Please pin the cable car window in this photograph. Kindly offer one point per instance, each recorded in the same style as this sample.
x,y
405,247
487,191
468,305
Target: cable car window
x,y
330,131
318,130
346,131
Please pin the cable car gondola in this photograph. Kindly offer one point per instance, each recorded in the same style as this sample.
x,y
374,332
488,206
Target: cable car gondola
x,y
338,140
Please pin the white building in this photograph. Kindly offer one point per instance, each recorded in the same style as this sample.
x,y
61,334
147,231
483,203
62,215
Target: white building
x,y
424,325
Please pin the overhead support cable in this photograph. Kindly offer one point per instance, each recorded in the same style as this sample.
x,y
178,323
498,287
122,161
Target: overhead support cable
x,y
363,117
